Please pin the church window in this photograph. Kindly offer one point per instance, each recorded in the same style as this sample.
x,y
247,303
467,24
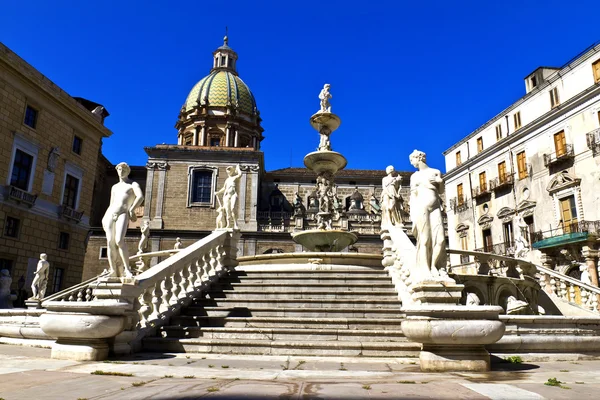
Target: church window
x,y
201,186
215,141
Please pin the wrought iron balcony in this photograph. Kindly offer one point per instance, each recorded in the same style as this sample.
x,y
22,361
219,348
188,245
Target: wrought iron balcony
x,y
480,191
21,196
459,204
565,233
501,249
566,154
69,213
593,141
501,182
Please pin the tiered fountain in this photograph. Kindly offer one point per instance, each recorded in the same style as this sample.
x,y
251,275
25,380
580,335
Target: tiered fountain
x,y
325,163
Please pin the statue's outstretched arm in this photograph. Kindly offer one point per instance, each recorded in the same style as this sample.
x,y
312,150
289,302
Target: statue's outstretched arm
x,y
139,199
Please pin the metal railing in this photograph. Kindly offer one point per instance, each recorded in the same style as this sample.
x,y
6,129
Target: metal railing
x,y
593,141
459,204
273,215
21,196
565,154
502,249
592,227
481,190
69,213
502,181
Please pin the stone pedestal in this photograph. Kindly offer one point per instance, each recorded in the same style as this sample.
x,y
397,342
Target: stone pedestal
x,y
33,303
453,336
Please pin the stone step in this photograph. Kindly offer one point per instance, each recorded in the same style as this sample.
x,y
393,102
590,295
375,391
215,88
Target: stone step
x,y
324,304
289,334
302,294
304,273
289,322
311,279
305,312
281,286
282,347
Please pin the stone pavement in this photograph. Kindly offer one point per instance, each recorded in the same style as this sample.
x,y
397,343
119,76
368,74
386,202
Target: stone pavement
x,y
29,373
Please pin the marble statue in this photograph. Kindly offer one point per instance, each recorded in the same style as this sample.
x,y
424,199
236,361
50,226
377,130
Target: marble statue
x,y
514,306
40,280
53,159
324,96
473,299
145,230
390,196
521,234
5,296
426,186
125,197
585,274
298,206
178,244
324,142
230,195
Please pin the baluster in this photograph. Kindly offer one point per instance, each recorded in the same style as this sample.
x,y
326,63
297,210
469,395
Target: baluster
x,y
88,294
594,302
572,298
145,308
199,273
206,268
584,298
212,262
80,295
156,302
176,281
191,276
183,285
543,281
72,297
165,287
563,290
553,286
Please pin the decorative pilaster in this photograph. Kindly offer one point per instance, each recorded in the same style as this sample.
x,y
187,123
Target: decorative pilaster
x,y
590,256
203,135
241,214
157,222
149,184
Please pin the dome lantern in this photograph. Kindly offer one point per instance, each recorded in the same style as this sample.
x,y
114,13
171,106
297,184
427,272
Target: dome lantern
x,y
224,58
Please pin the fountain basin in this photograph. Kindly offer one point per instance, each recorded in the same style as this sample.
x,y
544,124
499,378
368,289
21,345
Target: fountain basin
x,y
325,161
329,120
325,240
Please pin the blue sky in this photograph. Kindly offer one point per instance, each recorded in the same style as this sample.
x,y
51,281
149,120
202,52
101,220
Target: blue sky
x,y
403,75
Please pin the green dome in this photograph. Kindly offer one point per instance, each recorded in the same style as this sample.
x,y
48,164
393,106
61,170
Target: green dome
x,y
221,86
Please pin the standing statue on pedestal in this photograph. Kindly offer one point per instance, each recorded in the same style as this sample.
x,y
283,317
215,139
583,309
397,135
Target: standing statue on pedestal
x,y
125,197
521,243
145,230
230,196
426,186
324,96
390,198
40,280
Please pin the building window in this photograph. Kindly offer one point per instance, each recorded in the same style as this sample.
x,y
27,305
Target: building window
x,y
596,69
63,241
533,82
215,141
482,182
70,192
554,99
522,165
459,194
202,186
498,132
560,143
103,253
479,145
11,227
507,230
487,240
77,143
502,172
568,212
458,159
5,263
21,170
57,279
530,227
517,120
31,116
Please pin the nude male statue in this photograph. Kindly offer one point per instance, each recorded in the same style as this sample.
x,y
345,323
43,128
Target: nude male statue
x,y
324,96
125,197
40,280
230,196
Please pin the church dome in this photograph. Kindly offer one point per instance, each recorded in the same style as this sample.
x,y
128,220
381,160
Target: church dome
x,y
222,88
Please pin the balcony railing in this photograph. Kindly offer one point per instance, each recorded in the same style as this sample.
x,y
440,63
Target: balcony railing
x,y
566,154
501,182
593,141
273,215
501,249
69,213
21,196
587,227
459,204
480,191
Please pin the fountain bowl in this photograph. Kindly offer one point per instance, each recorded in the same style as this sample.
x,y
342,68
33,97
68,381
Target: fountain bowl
x,y
325,119
324,240
325,161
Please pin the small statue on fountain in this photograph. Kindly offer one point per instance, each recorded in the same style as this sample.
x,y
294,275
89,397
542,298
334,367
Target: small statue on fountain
x,y
390,198
324,96
145,231
230,195
40,280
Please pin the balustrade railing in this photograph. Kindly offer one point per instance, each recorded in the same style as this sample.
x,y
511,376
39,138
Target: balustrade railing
x,y
70,213
80,292
503,249
569,289
593,141
479,191
590,227
502,181
21,196
561,155
459,204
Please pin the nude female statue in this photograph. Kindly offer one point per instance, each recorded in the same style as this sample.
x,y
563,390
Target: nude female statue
x,y
230,196
390,196
125,197
426,186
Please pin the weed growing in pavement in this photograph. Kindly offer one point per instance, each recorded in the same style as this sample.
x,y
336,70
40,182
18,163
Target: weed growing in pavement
x,y
580,383
407,382
140,383
210,366
189,377
514,359
168,376
556,382
342,367
113,362
224,366
100,372
212,389
564,370
366,387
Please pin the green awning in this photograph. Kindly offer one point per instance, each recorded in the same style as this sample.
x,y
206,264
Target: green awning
x,y
560,240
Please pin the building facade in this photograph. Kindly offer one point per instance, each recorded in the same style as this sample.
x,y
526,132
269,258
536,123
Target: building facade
x,y
219,125
535,164
49,144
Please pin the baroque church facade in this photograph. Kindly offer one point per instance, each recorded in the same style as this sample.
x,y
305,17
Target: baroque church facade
x,y
219,125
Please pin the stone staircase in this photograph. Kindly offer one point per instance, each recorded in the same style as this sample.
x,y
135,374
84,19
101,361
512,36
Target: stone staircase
x,y
333,311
